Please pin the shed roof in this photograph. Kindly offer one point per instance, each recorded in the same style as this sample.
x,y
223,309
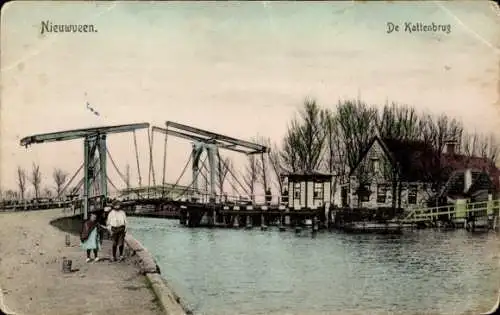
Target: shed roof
x,y
308,176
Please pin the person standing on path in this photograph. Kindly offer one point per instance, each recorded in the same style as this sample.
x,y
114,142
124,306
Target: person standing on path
x,y
90,237
102,219
117,224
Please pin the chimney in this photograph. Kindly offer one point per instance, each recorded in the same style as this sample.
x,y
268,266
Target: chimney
x,y
450,146
467,179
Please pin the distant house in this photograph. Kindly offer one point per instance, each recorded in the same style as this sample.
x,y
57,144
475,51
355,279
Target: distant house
x,y
406,174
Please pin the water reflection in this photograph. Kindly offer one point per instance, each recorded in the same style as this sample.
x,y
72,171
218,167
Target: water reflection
x,y
223,271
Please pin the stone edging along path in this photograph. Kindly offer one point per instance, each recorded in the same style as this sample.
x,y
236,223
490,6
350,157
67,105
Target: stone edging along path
x,y
168,300
4,310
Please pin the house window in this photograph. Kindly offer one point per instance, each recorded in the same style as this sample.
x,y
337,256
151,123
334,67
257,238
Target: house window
x,y
318,191
284,189
381,193
412,194
285,181
374,165
365,193
296,191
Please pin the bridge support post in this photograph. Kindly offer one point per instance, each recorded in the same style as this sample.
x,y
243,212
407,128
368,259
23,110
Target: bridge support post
x,y
183,217
248,222
196,153
315,224
86,179
264,169
103,170
212,151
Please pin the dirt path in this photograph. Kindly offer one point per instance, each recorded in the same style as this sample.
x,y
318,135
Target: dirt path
x,y
32,280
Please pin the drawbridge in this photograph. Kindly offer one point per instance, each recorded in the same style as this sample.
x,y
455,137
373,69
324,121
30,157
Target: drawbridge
x,y
206,164
95,177
204,160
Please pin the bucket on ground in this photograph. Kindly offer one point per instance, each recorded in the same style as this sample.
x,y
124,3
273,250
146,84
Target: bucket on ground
x,y
66,265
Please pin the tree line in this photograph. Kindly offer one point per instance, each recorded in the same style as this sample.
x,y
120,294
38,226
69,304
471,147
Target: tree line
x,y
327,139
34,179
332,140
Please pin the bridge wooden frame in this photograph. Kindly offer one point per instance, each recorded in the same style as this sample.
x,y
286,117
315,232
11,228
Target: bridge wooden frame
x,y
95,153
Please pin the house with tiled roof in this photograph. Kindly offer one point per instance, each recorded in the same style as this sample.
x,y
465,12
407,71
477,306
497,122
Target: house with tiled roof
x,y
405,174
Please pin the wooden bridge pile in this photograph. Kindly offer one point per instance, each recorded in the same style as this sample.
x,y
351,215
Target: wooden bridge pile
x,y
249,215
231,214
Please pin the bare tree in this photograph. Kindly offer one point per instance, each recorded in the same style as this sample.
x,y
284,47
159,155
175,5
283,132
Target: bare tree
x,y
36,179
21,181
76,190
304,142
223,167
59,177
334,158
485,146
289,154
312,136
275,165
47,192
263,162
336,139
356,128
11,195
399,122
252,175
127,176
438,131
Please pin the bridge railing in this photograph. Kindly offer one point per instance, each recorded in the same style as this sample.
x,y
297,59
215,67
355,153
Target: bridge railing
x,y
202,196
229,199
457,211
31,204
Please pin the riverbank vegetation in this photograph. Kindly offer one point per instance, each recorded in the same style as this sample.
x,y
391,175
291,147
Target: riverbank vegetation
x,y
332,139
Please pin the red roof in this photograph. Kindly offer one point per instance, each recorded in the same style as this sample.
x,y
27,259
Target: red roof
x,y
419,161
456,162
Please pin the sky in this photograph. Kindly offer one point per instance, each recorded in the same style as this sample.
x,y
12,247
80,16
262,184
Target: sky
x,y
240,69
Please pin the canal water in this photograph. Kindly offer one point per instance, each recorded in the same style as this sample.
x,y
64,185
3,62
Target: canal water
x,y
228,271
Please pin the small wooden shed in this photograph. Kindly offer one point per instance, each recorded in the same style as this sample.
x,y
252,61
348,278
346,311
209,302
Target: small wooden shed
x,y
306,190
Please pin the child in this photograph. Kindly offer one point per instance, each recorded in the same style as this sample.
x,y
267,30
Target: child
x,y
90,237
